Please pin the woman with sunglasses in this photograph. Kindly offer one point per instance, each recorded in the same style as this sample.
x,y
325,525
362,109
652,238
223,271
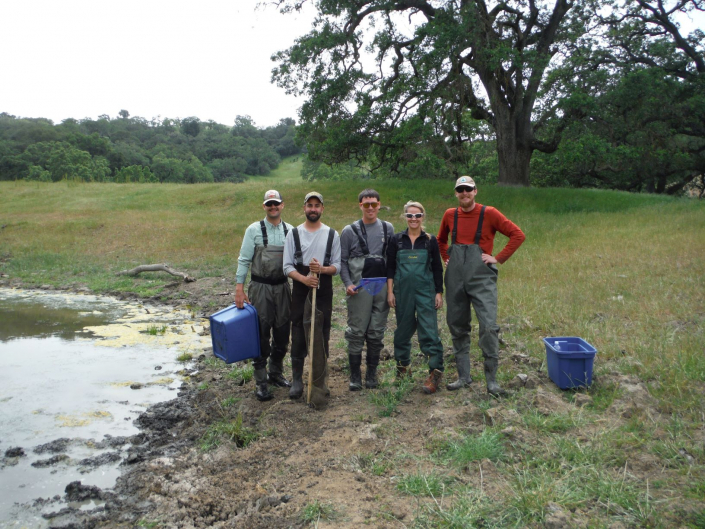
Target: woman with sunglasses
x,y
415,291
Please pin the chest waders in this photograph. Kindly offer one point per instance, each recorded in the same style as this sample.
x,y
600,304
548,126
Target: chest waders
x,y
415,294
469,281
324,304
270,294
367,314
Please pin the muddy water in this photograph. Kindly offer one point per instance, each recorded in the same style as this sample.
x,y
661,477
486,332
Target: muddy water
x,y
78,369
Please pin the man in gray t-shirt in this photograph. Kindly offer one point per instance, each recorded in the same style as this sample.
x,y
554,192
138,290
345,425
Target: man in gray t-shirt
x,y
312,268
363,250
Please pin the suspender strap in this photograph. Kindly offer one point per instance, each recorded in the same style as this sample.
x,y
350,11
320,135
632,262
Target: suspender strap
x,y
384,231
264,233
478,234
455,226
298,254
286,232
361,240
329,247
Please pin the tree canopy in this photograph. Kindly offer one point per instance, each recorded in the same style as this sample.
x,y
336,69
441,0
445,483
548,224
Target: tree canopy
x,y
133,149
400,85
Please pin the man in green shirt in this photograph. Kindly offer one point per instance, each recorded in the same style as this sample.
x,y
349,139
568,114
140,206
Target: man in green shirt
x,y
263,251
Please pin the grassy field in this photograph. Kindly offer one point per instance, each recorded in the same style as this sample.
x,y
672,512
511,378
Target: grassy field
x,y
625,272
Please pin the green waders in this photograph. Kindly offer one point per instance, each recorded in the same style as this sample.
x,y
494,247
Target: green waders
x,y
469,281
367,320
415,294
270,294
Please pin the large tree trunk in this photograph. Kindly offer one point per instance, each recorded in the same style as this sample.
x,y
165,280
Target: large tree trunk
x,y
513,152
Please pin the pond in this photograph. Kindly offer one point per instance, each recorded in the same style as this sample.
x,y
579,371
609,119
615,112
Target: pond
x,y
75,371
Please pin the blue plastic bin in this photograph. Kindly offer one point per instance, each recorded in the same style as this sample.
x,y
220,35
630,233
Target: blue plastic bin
x,y
235,333
570,361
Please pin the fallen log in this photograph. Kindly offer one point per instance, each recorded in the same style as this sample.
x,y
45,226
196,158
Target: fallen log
x,y
156,268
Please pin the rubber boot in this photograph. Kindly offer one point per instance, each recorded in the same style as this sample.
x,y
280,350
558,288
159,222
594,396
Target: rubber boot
x,y
433,382
297,373
355,374
403,372
262,391
464,378
371,381
490,376
276,377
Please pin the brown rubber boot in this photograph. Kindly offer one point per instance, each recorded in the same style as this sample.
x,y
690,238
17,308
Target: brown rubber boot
x,y
403,372
433,381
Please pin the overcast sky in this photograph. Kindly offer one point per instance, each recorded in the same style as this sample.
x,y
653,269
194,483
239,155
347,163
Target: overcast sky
x,y
82,58
209,58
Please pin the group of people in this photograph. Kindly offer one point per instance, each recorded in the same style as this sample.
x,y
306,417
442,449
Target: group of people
x,y
367,251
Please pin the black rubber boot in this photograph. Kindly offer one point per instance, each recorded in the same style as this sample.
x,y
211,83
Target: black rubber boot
x,y
464,379
297,383
355,374
371,381
262,391
491,378
276,376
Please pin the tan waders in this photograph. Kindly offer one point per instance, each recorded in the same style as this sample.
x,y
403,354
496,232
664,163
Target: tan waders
x,y
415,294
469,281
270,294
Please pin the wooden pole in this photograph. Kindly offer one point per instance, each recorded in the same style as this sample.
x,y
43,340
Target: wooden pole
x,y
310,344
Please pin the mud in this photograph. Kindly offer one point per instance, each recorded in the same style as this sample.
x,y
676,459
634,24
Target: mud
x,y
335,455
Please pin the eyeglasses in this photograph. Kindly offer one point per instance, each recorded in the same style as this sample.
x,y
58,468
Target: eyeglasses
x,y
368,205
271,203
468,189
414,215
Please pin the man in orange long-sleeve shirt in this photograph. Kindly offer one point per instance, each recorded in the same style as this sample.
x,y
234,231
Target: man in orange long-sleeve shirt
x,y
471,278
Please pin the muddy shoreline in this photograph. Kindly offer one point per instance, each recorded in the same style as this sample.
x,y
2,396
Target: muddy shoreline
x,y
352,457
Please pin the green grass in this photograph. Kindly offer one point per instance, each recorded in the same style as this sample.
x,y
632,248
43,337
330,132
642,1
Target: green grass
x,y
469,448
231,430
623,271
422,484
184,357
391,393
155,330
315,511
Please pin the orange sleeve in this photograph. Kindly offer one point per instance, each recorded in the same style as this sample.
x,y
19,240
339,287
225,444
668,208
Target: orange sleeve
x,y
442,237
506,227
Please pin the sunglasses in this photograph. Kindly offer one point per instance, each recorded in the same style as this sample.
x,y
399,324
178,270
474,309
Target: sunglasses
x,y
469,189
368,205
271,203
414,215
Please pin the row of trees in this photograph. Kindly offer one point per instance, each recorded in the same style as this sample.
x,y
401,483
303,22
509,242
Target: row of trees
x,y
125,149
561,92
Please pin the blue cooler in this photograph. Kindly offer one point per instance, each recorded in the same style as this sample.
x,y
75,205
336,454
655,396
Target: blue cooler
x,y
235,333
570,361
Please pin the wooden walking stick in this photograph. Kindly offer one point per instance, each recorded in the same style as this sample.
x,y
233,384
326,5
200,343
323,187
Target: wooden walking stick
x,y
310,343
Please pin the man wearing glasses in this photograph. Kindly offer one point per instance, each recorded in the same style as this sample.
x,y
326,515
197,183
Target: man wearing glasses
x,y
263,250
363,250
471,278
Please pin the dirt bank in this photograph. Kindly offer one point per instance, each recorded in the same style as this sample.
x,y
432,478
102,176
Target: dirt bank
x,y
353,463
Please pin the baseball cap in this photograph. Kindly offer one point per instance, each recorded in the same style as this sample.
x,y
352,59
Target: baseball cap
x,y
313,194
464,181
272,196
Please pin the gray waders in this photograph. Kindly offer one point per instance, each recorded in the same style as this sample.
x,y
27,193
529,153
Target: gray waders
x,y
367,317
415,294
469,281
270,294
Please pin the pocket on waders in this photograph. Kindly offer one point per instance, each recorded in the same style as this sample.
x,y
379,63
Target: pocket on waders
x,y
494,269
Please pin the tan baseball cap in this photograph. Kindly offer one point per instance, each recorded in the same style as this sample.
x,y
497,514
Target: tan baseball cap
x,y
273,196
313,194
465,181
